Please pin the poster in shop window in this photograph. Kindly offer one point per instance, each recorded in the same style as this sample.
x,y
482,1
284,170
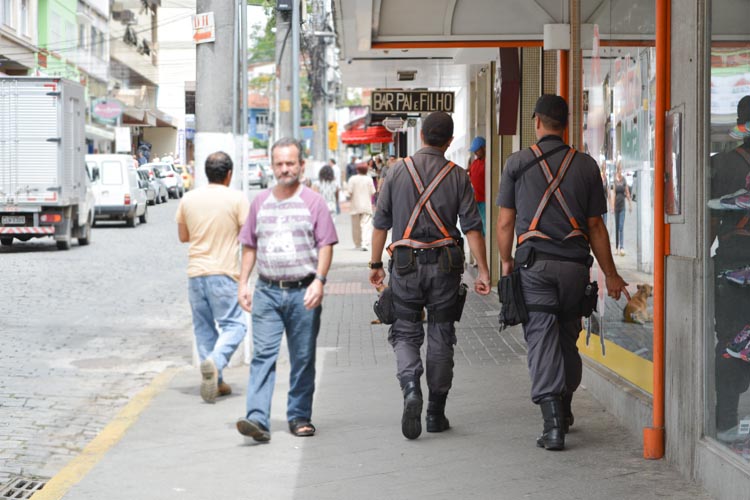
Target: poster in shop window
x,y
673,166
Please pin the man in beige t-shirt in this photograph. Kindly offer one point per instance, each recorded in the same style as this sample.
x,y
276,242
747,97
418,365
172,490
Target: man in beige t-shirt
x,y
210,219
361,188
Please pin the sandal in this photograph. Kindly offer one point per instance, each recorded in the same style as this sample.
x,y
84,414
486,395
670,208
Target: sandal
x,y
301,427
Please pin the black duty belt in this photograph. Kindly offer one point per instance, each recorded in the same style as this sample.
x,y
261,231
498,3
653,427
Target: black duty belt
x,y
587,261
300,283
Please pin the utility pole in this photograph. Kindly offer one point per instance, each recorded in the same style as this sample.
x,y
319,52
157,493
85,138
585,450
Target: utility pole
x,y
318,53
215,114
283,122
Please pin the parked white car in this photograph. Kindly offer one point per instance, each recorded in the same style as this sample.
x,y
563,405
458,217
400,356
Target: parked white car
x,y
119,194
171,177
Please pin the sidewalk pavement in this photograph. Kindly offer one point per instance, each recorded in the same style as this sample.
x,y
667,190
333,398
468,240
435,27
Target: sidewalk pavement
x,y
182,448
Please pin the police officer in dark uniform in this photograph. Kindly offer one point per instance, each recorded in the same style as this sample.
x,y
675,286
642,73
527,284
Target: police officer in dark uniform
x,y
552,196
730,172
421,200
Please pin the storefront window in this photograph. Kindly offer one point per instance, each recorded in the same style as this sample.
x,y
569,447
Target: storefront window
x,y
728,210
619,95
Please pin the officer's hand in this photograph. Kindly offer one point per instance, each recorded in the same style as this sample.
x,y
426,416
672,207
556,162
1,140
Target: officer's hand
x,y
615,286
245,298
313,295
377,276
482,284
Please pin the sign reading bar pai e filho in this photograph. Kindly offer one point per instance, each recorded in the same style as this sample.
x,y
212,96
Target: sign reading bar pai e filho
x,y
411,101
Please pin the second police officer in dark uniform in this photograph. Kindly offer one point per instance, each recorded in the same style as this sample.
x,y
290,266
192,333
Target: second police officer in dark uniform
x,y
552,196
421,200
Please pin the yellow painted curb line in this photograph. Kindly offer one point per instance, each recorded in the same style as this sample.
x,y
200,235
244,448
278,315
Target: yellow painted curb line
x,y
77,468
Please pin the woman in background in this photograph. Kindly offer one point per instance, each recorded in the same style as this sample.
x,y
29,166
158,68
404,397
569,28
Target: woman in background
x,y
326,186
622,193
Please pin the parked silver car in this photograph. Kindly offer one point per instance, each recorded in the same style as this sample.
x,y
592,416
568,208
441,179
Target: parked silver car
x,y
162,194
259,174
171,177
144,183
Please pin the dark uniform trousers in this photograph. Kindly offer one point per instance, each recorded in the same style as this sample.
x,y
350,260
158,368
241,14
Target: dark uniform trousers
x,y
436,289
553,360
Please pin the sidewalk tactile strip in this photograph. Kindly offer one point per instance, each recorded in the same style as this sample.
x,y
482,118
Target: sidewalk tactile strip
x,y
21,488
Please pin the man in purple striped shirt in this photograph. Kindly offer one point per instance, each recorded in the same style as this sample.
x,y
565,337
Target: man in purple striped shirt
x,y
289,235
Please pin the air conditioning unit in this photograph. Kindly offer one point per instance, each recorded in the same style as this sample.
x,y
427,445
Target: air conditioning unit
x,y
406,75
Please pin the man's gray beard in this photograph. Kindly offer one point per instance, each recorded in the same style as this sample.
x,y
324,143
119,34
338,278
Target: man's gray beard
x,y
288,182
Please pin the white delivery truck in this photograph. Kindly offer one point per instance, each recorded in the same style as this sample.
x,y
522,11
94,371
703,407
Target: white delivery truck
x,y
45,188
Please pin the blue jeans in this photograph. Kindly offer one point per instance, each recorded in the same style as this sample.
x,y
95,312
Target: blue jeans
x,y
213,300
276,310
620,229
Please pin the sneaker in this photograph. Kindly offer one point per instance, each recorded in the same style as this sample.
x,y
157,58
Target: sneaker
x,y
737,433
209,384
740,346
739,276
730,201
622,252
743,201
224,389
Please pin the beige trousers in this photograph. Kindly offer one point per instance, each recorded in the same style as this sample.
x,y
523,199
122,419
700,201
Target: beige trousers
x,y
362,230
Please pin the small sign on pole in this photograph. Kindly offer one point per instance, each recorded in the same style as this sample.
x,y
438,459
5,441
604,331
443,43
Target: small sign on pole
x,y
204,28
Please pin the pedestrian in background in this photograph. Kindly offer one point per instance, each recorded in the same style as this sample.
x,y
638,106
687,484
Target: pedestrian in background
x,y
426,267
289,235
553,257
327,188
337,177
622,194
210,218
351,168
361,190
476,174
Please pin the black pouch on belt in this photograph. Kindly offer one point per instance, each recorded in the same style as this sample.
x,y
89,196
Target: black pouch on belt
x,y
590,299
403,261
513,309
384,309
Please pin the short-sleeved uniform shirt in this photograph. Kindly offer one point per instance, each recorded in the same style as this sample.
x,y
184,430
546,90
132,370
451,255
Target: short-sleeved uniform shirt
x,y
729,173
213,215
287,234
453,199
581,188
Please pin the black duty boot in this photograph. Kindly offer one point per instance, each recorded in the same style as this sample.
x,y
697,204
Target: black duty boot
x,y
553,436
436,421
411,420
568,419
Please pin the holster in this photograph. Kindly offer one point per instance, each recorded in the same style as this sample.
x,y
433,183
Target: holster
x,y
384,308
452,313
590,299
513,308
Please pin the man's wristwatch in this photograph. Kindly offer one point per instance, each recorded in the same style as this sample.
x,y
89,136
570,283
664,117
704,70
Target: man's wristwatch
x,y
375,265
321,278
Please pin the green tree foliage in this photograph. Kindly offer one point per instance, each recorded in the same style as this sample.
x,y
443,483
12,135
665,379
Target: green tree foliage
x,y
262,47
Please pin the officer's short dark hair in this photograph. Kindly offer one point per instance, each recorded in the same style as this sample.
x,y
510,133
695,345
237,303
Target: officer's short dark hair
x,y
218,165
437,129
285,142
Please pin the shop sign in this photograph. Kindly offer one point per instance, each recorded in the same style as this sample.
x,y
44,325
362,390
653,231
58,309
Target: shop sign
x,y
412,101
107,110
204,28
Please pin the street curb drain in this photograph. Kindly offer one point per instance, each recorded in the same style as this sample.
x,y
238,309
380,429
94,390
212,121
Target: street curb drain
x,y
20,487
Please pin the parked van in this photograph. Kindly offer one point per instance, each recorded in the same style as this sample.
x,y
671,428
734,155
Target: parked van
x,y
119,194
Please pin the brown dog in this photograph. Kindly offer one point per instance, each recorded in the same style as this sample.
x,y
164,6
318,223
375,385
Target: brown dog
x,y
380,289
636,311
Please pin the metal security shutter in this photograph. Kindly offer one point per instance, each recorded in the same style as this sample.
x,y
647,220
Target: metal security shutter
x,y
37,120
